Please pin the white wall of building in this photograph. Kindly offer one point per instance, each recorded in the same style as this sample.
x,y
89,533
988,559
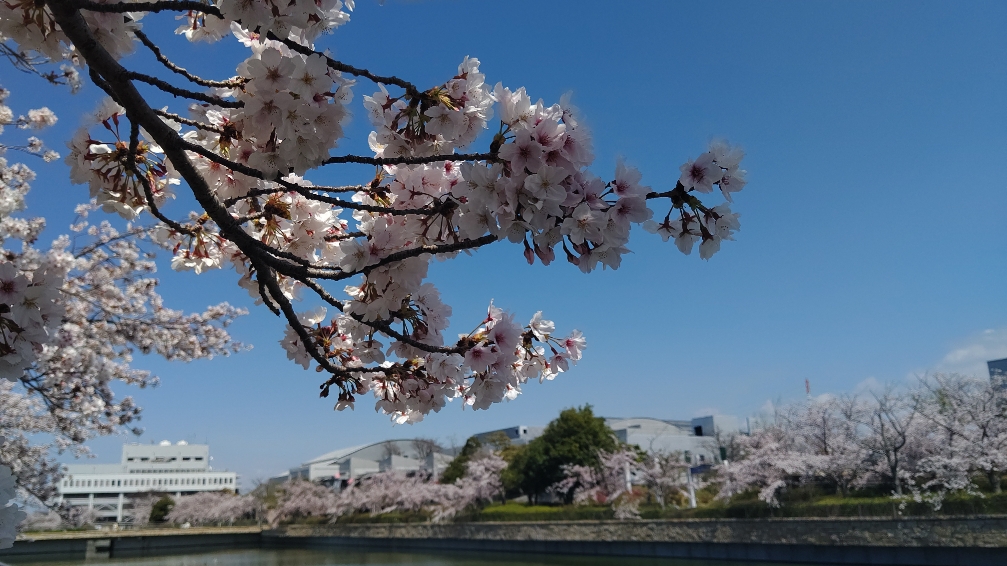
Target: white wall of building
x,y
173,469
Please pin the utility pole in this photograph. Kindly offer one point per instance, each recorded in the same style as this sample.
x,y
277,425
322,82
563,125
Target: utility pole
x,y
692,488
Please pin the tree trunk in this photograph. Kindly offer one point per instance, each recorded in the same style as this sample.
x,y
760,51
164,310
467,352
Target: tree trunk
x,y
994,478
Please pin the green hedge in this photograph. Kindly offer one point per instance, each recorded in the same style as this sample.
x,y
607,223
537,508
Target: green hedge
x,y
743,507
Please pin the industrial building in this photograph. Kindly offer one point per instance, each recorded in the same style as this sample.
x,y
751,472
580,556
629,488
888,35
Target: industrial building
x,y
696,439
165,468
342,467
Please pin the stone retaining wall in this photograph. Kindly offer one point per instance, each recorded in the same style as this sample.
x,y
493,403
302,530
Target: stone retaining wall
x,y
922,532
975,541
978,541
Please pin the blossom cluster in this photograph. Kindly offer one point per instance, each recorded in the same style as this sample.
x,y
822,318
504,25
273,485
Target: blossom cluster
x,y
30,312
301,20
118,174
294,109
720,167
33,28
499,357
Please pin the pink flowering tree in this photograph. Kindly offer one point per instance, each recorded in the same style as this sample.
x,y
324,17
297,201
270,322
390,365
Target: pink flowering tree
x,y
458,165
769,464
664,475
395,491
828,441
141,508
299,499
609,483
889,430
481,484
959,435
72,316
212,508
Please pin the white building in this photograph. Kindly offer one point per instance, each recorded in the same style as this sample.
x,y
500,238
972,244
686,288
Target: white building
x,y
518,435
166,468
341,467
696,439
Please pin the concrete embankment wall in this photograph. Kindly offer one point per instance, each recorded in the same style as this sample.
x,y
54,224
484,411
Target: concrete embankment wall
x,y
976,541
124,544
924,542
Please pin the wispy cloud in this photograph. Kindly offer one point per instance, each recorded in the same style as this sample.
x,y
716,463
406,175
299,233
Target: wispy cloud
x,y
970,356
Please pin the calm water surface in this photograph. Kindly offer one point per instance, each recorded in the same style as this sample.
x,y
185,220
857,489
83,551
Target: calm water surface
x,y
356,558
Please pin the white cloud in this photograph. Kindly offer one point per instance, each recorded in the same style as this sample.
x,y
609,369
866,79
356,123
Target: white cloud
x,y
970,356
869,385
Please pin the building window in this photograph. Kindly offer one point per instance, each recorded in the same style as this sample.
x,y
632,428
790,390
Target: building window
x,y
698,430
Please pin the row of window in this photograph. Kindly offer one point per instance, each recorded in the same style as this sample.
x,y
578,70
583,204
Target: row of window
x,y
147,482
160,459
168,471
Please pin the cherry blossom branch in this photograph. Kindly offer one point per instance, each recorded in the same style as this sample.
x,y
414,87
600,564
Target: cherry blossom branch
x,y
27,63
428,249
410,88
185,93
132,232
412,160
294,187
273,287
114,78
180,70
381,325
134,142
306,193
189,122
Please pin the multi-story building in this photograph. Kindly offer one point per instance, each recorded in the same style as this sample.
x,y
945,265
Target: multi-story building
x,y
165,468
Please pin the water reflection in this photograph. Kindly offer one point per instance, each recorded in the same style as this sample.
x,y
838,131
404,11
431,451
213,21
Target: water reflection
x,y
356,558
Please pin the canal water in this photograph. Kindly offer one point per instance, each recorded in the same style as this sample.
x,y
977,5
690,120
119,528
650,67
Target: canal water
x,y
357,558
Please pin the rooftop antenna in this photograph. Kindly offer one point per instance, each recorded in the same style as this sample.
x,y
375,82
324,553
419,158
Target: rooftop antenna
x,y
807,388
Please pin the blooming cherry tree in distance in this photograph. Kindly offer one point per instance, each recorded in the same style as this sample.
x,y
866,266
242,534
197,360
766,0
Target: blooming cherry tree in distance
x,y
72,316
457,165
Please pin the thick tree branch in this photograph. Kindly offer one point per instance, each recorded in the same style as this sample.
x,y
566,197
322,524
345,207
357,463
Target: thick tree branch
x,y
116,80
159,6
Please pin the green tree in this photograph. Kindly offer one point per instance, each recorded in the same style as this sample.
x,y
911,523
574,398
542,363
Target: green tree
x,y
161,509
575,438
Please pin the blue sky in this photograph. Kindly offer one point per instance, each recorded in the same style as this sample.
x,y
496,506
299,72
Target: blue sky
x,y
872,244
